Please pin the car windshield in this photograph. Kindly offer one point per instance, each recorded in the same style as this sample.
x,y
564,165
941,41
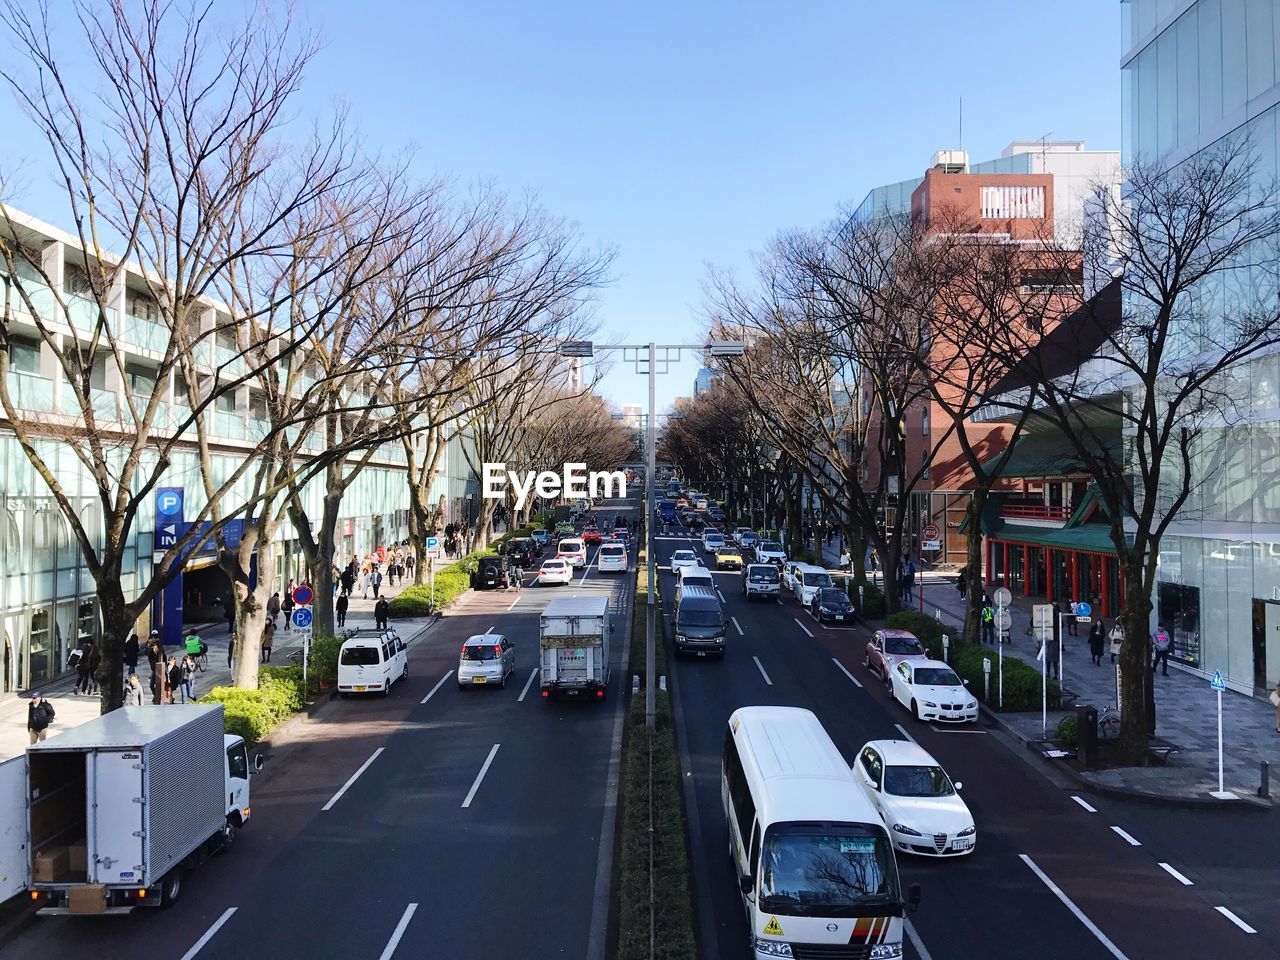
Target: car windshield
x,y
904,646
700,617
832,597
570,546
770,547
917,782
683,555
361,657
937,677
825,870
728,551
818,579
480,651
764,574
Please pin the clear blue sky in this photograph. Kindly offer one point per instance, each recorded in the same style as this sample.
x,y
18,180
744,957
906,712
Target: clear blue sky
x,y
688,133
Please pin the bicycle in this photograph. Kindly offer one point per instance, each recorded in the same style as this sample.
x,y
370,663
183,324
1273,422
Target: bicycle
x,y
198,651
1108,723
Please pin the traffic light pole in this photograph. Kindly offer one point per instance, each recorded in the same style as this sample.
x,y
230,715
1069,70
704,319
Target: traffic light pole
x,y
651,621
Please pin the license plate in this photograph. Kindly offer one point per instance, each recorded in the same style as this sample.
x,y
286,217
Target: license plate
x,y
702,653
359,689
478,679
952,716
961,844
839,616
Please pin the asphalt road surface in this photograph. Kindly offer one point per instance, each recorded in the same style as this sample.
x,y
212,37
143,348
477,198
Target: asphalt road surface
x,y
435,822
1051,876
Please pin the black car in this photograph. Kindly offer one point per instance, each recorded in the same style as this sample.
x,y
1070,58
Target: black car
x,y
523,551
490,573
831,604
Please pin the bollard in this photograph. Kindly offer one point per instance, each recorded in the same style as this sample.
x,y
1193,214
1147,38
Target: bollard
x,y
946,643
1264,790
1087,736
986,679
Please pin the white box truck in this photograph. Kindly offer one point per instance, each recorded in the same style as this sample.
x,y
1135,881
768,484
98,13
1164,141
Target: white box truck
x,y
108,816
573,639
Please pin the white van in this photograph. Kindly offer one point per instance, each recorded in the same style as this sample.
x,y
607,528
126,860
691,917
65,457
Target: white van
x,y
371,661
806,580
611,558
574,550
791,803
698,574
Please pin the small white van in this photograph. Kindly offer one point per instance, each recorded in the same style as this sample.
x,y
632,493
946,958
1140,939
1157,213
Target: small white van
x,y
574,550
806,580
611,558
370,662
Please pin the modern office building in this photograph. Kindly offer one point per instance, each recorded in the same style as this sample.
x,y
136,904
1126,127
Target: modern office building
x,y
633,416
47,597
1195,72
702,382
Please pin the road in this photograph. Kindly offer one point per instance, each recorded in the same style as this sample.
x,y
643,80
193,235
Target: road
x,y
1051,877
434,822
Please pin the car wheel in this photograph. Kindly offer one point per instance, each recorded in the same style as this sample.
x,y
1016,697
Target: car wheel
x,y
171,888
386,687
915,710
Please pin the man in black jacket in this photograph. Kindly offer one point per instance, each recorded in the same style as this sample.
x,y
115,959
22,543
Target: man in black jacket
x,y
39,715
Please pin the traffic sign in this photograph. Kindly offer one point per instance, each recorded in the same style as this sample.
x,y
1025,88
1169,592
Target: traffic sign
x,y
1003,597
1083,610
302,618
1217,682
166,536
930,531
931,545
1004,620
303,595
169,502
433,548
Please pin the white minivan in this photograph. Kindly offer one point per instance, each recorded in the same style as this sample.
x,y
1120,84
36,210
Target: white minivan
x,y
611,558
574,550
791,803
806,580
371,661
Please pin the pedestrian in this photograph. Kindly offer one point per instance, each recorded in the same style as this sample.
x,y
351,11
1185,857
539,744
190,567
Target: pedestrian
x,y
286,607
268,635
1071,618
1051,649
133,692
75,659
846,562
911,579
1161,642
229,611
188,674
409,562
340,608
1275,702
988,618
375,581
1097,637
348,579
231,650
1116,639
364,582
155,659
94,656
273,607
131,655
174,675
381,610
40,714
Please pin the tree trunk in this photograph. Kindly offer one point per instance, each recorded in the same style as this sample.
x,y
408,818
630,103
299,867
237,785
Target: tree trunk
x,y
1135,661
974,586
251,606
117,623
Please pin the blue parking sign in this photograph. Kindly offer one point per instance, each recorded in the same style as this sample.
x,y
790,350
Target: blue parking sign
x,y
302,617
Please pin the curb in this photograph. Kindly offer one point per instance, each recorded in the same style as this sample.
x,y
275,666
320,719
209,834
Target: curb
x,y
1130,793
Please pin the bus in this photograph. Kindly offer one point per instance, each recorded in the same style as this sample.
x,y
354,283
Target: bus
x,y
814,863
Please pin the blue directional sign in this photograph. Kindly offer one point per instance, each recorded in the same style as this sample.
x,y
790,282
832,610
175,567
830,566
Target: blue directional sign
x,y
1083,609
302,618
1217,682
169,525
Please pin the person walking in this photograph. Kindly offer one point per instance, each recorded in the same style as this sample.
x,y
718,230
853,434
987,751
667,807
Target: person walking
x,y
364,582
232,641
340,608
381,610
155,660
846,562
911,579
1275,702
174,675
94,656
1052,649
273,607
40,714
188,673
988,618
268,637
83,674
74,661
1097,638
1070,618
133,692
348,579
1161,642
131,655
286,607
375,581
1116,640
960,584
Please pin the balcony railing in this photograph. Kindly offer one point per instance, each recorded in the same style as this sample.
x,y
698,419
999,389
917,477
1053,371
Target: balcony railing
x,y
1034,511
30,392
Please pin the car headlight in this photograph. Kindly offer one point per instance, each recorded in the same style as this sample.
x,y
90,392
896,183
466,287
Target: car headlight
x,y
772,948
886,951
967,831
971,705
904,829
928,703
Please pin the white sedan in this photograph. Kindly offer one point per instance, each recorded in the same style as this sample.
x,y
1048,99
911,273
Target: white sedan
x,y
684,558
919,804
931,691
555,571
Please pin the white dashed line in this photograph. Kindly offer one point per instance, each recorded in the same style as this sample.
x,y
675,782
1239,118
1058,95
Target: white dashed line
x,y
480,776
760,667
734,620
394,942
1236,920
527,684
1175,874
1084,804
1129,838
354,777
915,940
439,684
1079,914
802,626
721,596
903,731
208,934
846,672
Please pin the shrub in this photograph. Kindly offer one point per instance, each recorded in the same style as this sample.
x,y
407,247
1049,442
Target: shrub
x,y
322,666
929,630
873,602
247,718
1068,732
411,602
1021,680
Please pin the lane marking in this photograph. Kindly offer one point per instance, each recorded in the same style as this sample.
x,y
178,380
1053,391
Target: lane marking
x,y
802,627
1175,874
760,667
208,934
1133,842
439,684
845,671
513,603
398,932
734,620
915,940
956,729
527,684
721,596
489,631
1079,914
1236,920
1084,804
354,777
903,731
480,776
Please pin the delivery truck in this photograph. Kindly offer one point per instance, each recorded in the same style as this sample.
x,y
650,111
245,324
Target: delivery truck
x,y
108,816
574,643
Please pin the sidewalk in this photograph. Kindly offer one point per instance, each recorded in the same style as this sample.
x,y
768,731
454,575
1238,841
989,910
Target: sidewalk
x,y
1186,709
73,710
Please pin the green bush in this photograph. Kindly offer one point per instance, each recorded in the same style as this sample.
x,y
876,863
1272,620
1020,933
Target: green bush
x,y
929,630
873,602
322,666
1068,732
1021,680
250,719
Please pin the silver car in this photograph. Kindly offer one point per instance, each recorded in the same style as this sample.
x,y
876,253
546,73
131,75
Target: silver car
x,y
486,660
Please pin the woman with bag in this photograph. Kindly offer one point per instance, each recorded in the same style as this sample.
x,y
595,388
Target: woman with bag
x,y
1117,640
1096,634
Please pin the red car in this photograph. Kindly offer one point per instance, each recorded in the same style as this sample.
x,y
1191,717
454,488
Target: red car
x,y
591,535
887,647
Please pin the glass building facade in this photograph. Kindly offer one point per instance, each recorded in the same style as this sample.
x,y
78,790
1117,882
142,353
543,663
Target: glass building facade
x,y
1194,72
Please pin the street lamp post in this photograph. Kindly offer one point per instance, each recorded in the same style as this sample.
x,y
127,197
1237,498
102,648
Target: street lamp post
x,y
645,359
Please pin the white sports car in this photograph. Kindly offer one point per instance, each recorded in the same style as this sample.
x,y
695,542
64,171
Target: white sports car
x,y
684,558
919,804
931,691
555,571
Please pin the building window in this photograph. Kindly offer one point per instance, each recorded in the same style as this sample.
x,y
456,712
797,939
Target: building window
x,y
143,307
76,282
1013,203
1178,608
24,355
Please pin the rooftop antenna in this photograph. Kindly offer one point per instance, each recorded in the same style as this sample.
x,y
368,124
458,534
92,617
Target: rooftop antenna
x,y
1044,148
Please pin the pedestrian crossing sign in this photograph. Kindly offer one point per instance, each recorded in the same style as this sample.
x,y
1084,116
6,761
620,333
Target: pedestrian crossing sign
x,y
1217,682
773,928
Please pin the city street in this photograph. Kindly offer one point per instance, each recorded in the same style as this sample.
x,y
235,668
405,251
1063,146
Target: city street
x,y
1039,846
398,826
